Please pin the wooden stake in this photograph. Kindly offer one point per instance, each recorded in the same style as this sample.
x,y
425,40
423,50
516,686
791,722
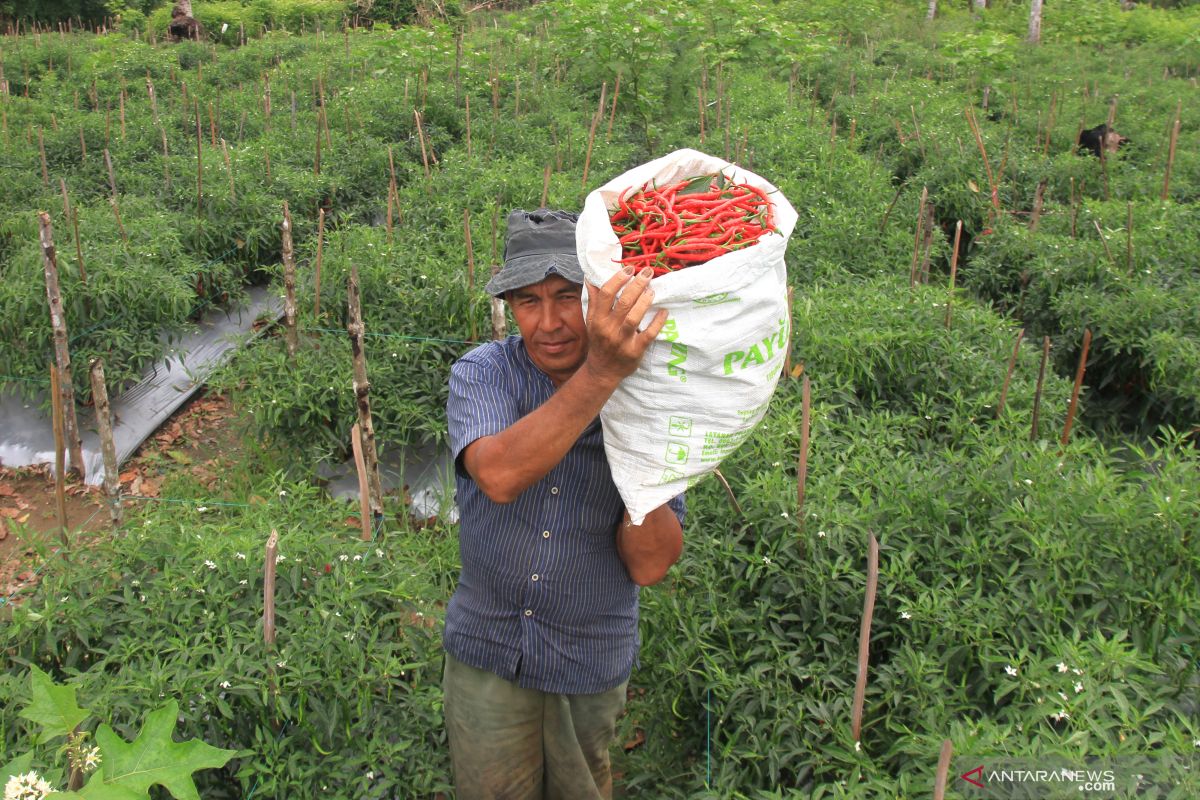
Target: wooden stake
x,y
468,102
470,263
912,272
1166,190
1083,356
289,285
269,556
320,252
592,133
1038,200
953,273
228,171
1037,396
802,464
116,209
1012,363
970,113
199,163
42,150
943,770
729,493
317,149
612,114
122,113
545,186
62,355
362,388
1104,241
364,493
112,480
424,151
60,469
864,639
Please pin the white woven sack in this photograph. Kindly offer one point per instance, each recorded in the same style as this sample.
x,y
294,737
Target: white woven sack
x,y
705,382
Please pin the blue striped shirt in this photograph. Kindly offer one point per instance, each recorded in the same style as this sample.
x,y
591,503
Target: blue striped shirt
x,y
543,598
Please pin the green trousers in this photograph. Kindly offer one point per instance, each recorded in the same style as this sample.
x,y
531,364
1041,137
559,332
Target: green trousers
x,y
509,743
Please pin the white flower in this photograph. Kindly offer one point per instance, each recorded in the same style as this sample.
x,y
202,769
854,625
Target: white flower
x,y
1076,670
1011,670
358,558
29,786
928,417
370,776
1078,687
1062,667
905,615
343,557
379,553
784,515
142,597
349,636
202,509
91,758
225,684
776,464
240,556
210,564
243,583
283,492
135,583
281,664
1060,716
1063,695
1196,743
858,747
280,557
820,534
1028,482
766,560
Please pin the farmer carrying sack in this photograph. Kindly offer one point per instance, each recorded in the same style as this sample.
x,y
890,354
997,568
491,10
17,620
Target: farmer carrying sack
x,y
707,379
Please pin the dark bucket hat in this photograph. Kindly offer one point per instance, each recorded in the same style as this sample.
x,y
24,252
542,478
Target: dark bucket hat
x,y
537,244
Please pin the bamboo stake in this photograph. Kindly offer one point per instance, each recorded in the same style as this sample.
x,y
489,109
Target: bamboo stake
x,y
289,285
362,387
122,103
199,163
1038,200
116,209
60,495
153,99
1083,356
228,170
58,323
729,493
468,102
592,133
424,151
917,127
267,163
1037,396
864,639
470,263
943,770
802,463
612,114
545,186
78,246
1104,241
1129,236
272,552
112,481
364,493
317,149
42,151
974,125
912,272
1012,363
953,273
320,252
927,245
700,93
1166,190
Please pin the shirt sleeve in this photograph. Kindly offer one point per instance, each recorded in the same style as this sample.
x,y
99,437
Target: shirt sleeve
x,y
480,405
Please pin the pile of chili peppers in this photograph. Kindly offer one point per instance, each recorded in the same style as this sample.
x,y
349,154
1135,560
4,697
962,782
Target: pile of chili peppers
x,y
672,227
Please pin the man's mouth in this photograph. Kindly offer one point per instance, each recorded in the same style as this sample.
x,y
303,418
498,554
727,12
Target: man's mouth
x,y
555,347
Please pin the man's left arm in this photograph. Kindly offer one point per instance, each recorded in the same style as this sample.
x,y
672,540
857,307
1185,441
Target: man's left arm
x,y
648,550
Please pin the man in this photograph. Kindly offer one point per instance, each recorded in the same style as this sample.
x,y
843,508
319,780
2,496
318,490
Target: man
x,y
541,634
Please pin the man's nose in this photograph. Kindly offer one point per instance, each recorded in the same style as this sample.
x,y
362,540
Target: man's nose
x,y
549,319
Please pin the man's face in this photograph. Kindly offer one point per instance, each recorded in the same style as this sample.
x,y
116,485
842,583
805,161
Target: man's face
x,y
549,315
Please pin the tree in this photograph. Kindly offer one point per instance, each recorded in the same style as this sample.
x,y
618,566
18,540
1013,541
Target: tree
x,y
1035,22
932,9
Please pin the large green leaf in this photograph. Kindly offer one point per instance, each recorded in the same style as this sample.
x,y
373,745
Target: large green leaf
x,y
53,706
154,758
98,789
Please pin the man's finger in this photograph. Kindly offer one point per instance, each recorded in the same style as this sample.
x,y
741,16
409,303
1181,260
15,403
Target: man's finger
x,y
608,292
655,326
633,291
640,307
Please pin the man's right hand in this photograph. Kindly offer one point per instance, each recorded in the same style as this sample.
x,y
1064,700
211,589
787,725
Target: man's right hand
x,y
615,345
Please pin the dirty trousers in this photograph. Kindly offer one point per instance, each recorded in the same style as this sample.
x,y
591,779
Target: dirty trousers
x,y
509,743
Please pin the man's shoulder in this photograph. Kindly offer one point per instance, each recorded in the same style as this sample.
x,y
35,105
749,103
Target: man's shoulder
x,y
502,354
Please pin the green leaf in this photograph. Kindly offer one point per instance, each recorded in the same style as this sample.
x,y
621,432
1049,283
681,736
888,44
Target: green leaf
x,y
52,706
17,766
154,758
98,789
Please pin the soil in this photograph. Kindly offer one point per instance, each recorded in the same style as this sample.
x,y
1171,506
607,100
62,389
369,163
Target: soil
x,y
194,438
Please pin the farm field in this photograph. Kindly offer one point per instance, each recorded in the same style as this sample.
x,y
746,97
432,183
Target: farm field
x,y
1038,589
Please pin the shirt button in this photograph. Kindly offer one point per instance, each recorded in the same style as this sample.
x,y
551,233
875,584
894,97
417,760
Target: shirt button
x,y
529,612
534,578
545,534
553,490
